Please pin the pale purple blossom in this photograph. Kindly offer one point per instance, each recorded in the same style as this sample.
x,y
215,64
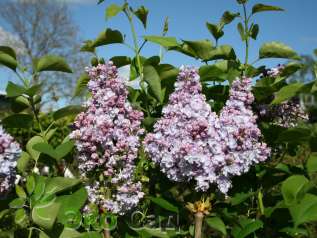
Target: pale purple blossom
x,y
9,154
287,114
274,72
107,139
240,132
185,142
190,142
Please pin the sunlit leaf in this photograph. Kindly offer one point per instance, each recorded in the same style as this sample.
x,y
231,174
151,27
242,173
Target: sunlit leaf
x,y
277,50
262,8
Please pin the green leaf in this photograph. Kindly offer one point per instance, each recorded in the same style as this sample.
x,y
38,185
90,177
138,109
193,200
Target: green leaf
x,y
294,188
247,227
221,71
88,46
59,184
100,1
45,149
305,211
29,147
165,26
202,48
18,121
152,232
43,235
277,50
222,52
164,204
30,184
108,37
294,232
287,92
241,31
81,84
39,188
69,233
242,1
17,203
291,68
8,57
228,17
71,110
238,198
296,135
45,214
311,163
153,79
167,72
20,216
8,50
20,191
254,31
215,30
263,8
113,10
154,61
52,63
120,61
70,204
162,40
90,234
14,90
32,91
142,14
209,72
19,104
217,224
63,149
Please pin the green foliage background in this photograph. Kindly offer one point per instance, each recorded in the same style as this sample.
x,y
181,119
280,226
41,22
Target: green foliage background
x,y
274,199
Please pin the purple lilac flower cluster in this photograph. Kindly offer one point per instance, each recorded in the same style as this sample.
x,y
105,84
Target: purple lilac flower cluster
x,y
9,153
287,114
191,142
274,72
240,133
107,139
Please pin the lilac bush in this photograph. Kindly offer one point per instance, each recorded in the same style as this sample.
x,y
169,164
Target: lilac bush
x,y
107,138
9,154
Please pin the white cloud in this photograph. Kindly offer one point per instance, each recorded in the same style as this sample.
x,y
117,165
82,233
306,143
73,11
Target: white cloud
x,y
8,39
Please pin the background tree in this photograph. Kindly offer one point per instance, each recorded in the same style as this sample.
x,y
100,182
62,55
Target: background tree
x,y
46,27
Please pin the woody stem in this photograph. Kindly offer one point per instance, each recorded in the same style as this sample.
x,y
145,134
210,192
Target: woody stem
x,y
199,217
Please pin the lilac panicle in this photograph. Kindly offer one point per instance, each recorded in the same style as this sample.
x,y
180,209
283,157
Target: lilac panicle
x,y
240,133
9,154
107,139
191,142
185,142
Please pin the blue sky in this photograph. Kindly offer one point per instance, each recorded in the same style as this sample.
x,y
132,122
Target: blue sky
x,y
294,27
